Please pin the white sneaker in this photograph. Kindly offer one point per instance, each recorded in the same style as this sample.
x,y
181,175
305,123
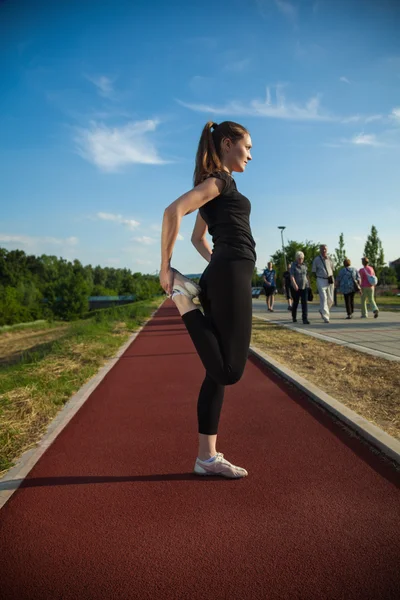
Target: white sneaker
x,y
183,285
219,466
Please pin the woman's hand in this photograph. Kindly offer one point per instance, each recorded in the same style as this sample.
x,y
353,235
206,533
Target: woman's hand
x,y
167,279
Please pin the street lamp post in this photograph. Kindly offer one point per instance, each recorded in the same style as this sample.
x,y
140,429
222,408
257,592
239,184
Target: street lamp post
x,y
282,227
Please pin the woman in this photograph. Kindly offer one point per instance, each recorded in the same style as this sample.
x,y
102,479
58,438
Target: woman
x,y
269,278
348,283
368,289
222,334
300,282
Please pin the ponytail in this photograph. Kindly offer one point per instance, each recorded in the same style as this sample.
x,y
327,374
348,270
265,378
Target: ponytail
x,y
208,157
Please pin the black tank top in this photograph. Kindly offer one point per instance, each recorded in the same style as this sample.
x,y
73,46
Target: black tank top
x,y
227,218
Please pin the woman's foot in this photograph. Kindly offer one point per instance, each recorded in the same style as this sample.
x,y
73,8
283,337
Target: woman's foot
x,y
219,466
306,322
183,285
376,313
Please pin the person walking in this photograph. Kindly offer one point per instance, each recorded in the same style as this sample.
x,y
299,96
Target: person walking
x,y
221,334
348,283
269,277
368,283
287,286
300,284
322,266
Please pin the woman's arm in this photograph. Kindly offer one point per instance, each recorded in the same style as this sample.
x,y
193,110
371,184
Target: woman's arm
x,y
173,214
199,239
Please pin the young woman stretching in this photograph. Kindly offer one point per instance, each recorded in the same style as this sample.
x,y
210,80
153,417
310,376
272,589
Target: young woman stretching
x,y
222,334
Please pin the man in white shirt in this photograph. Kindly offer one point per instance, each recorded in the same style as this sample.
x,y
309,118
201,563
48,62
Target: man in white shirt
x,y
323,268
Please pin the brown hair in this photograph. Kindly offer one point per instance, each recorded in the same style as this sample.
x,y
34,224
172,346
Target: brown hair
x,y
347,262
365,260
208,157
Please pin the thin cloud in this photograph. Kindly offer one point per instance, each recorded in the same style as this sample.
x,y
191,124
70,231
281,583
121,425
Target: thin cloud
x,y
280,109
344,79
145,240
103,84
39,244
352,119
395,114
365,140
131,223
373,118
112,148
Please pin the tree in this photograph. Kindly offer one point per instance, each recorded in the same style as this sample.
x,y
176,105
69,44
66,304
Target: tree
x,y
47,286
309,249
388,276
374,252
340,254
73,301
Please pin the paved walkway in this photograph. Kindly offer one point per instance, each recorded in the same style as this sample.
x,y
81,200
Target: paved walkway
x,y
381,335
112,509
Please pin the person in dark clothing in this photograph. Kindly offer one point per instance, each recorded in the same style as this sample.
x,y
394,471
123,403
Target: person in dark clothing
x,y
269,278
221,333
300,284
287,286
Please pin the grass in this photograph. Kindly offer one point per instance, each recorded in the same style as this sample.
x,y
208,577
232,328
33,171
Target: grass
x,y
41,368
366,384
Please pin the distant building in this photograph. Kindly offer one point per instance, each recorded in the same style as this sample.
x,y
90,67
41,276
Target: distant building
x,y
395,263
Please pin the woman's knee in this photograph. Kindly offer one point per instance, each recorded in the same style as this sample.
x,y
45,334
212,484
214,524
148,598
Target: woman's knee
x,y
232,375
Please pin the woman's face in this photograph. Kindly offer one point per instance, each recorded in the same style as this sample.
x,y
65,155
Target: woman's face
x,y
237,155
300,259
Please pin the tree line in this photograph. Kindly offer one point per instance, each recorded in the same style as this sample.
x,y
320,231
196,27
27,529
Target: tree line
x,y
47,287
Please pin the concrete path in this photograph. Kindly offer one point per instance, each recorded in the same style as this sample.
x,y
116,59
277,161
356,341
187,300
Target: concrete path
x,y
379,336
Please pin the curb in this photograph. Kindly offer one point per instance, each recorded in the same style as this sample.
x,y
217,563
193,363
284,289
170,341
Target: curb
x,y
11,480
375,436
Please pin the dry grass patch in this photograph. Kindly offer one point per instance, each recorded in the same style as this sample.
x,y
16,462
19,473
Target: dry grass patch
x,y
14,343
367,384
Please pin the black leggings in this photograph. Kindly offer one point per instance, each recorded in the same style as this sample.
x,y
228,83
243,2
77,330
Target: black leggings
x,y
300,295
222,334
349,301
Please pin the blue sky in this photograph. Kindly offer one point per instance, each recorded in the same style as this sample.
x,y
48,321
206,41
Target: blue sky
x,y
102,105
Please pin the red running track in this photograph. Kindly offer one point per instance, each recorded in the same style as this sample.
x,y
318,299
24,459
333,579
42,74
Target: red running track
x,y
112,510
